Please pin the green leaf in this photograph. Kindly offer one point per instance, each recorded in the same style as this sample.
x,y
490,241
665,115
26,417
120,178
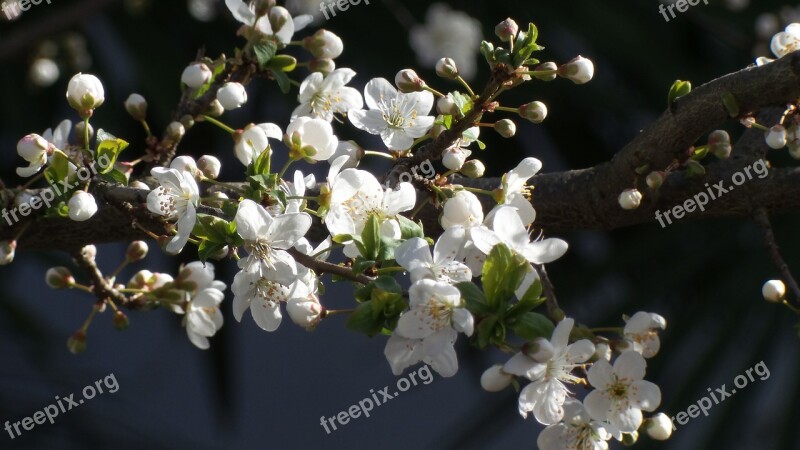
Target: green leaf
x,y
371,238
503,272
700,152
211,228
530,300
116,176
485,331
476,301
364,320
679,89
285,63
526,45
409,228
264,52
57,170
261,164
481,145
730,103
531,325
107,152
218,69
463,102
283,80
208,249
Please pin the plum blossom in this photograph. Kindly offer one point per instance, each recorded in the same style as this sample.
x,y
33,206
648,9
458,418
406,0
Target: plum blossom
x,y
428,330
253,140
577,431
311,138
546,395
507,228
322,97
515,191
35,150
203,317
642,330
786,41
415,256
620,392
398,118
245,13
176,198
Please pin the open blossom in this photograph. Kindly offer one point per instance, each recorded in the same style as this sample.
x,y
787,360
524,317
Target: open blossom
x,y
396,117
253,140
620,392
515,191
176,198
203,316
322,97
415,256
786,41
507,228
547,393
429,329
464,210
448,33
642,330
35,150
245,13
297,188
577,431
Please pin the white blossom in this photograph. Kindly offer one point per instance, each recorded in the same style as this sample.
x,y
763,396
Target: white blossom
x,y
177,197
415,256
642,329
322,97
577,431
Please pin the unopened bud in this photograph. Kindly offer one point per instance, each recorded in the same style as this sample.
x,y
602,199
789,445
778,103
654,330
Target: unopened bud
x,y
654,180
507,30
407,80
447,68
536,112
232,95
659,427
137,251
7,251
209,166
59,278
602,351
176,131
89,252
436,130
322,65
77,342
473,168
278,18
541,350
630,199
506,128
446,106
629,439
579,70
773,291
196,75
494,379
454,157
324,44
120,320
719,143
549,71
215,109
187,121
220,254
776,137
136,106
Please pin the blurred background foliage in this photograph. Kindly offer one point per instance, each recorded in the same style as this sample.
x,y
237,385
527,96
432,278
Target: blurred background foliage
x,y
260,390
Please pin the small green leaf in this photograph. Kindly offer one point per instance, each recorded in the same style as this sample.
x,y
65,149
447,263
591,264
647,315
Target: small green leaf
x,y
285,63
476,301
371,238
730,103
208,249
364,320
463,102
531,325
107,152
283,80
264,52
215,72
485,331
117,177
679,89
700,152
261,164
58,170
409,228
530,300
503,272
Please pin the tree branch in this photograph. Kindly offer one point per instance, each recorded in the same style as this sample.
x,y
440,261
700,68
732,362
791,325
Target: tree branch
x,y
762,220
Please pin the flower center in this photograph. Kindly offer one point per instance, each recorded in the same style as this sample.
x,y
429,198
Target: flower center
x,y
394,113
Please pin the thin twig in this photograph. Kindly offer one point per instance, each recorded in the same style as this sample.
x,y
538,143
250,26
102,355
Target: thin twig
x,y
549,292
762,220
326,267
101,288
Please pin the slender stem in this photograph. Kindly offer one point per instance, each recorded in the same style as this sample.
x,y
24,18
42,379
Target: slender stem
x,y
790,306
466,86
299,197
507,109
539,72
381,154
293,82
22,231
420,140
218,123
479,191
33,180
758,126
432,91
82,287
146,127
333,312
384,270
86,135
285,168
549,292
119,268
327,250
762,220
419,208
89,319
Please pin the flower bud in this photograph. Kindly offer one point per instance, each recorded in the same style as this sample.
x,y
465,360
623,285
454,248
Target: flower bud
x,y
176,131
773,291
629,439
776,137
7,251
215,109
196,75
32,146
494,379
447,68
624,345
82,206
120,320
550,68
408,81
630,199
185,164
453,158
89,252
136,105
322,65
719,143
278,18
232,95
446,106
262,7
85,93
80,134
137,251
507,30
654,180
506,128
324,44
303,312
139,185
220,254
473,168
59,278
541,350
209,166
659,427
533,111
77,342
579,70
187,121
